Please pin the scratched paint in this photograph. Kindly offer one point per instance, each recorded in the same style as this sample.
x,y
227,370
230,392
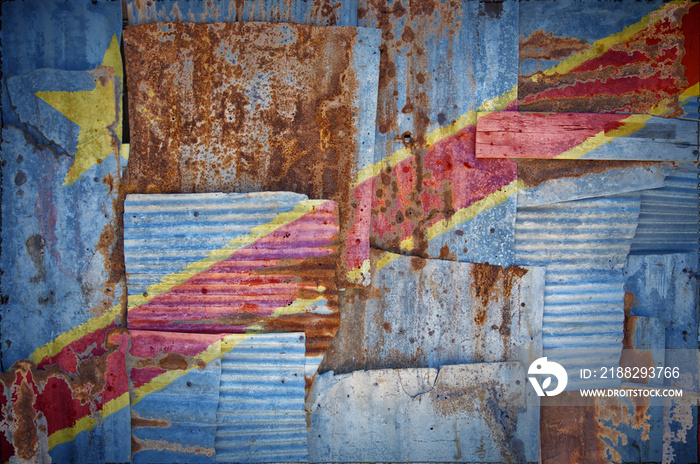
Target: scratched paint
x,y
509,134
313,13
224,122
52,411
440,61
610,57
457,313
463,413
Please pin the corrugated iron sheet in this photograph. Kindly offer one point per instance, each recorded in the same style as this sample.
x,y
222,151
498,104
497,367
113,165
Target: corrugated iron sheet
x,y
174,390
217,398
203,98
640,59
233,263
509,134
668,221
471,412
313,13
430,313
582,245
543,182
261,416
441,60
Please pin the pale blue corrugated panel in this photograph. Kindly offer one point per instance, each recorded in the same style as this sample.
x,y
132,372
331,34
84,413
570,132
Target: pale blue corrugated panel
x,y
668,221
165,233
311,12
582,245
261,414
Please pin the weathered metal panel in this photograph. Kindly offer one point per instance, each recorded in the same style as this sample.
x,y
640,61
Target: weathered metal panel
x,y
174,390
208,114
618,429
610,57
313,13
471,412
668,221
582,245
441,60
233,263
261,415
508,134
430,313
71,409
543,182
60,222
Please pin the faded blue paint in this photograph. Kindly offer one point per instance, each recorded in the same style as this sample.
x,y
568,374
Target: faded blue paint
x,y
311,12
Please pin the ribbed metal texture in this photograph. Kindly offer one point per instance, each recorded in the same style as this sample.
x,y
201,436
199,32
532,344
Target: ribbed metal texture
x,y
668,221
165,233
582,245
233,263
261,415
314,13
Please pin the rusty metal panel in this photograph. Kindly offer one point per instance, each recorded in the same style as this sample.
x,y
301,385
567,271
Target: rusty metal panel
x,y
60,221
543,182
72,408
668,221
619,429
174,389
313,13
583,245
470,412
233,263
429,313
261,416
441,60
208,114
610,57
509,134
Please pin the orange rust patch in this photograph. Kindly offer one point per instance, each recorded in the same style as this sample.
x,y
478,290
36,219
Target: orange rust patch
x,y
544,46
534,172
173,361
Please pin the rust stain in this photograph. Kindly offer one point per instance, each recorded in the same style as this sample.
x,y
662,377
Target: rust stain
x,y
173,361
138,422
631,356
26,438
491,281
536,172
222,123
544,46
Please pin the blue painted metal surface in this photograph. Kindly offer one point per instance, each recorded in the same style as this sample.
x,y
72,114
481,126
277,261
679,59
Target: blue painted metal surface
x,y
582,245
668,220
59,219
261,415
313,13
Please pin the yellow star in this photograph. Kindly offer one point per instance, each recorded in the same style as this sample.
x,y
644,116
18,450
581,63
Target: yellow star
x,y
95,111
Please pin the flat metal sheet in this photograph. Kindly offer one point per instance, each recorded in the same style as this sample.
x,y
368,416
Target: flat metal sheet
x,y
509,134
207,114
582,245
261,415
233,263
543,182
609,57
313,12
668,221
463,413
441,60
59,205
74,408
430,313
